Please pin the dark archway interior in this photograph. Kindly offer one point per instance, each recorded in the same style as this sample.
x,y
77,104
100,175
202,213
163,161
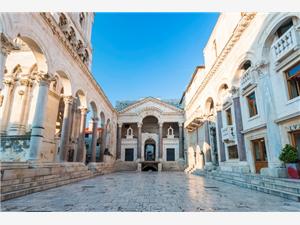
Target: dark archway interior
x,y
149,168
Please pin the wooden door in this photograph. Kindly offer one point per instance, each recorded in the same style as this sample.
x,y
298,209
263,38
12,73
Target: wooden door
x,y
259,154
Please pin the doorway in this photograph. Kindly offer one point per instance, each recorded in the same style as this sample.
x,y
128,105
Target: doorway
x,y
260,154
149,152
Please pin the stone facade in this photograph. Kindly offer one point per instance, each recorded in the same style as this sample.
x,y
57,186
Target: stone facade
x,y
236,114
48,92
150,130
244,93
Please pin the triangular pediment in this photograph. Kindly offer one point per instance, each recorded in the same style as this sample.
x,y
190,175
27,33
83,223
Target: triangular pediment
x,y
150,104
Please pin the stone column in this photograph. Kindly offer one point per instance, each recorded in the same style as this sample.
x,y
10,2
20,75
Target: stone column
x,y
273,141
139,141
65,133
103,143
6,46
180,140
160,141
94,139
207,143
119,140
81,151
20,106
39,116
239,125
7,94
76,132
221,144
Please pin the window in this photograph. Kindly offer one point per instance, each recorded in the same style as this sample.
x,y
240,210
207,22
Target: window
x,y
246,65
129,154
233,152
252,104
228,116
296,141
284,27
293,81
170,154
86,135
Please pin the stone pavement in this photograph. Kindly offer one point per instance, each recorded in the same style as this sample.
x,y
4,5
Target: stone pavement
x,y
150,191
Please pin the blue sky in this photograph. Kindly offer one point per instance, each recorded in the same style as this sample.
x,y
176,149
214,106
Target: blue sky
x,y
137,55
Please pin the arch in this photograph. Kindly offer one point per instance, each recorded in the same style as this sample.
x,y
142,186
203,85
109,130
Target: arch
x,y
94,109
37,52
150,149
65,81
150,111
209,106
27,55
102,119
81,98
245,62
269,28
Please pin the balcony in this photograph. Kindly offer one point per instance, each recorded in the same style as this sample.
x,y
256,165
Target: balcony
x,y
247,80
286,44
228,134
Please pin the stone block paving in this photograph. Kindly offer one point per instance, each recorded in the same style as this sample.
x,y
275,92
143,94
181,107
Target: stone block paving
x,y
149,191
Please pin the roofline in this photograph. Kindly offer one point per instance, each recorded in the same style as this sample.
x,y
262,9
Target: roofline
x,y
156,99
191,80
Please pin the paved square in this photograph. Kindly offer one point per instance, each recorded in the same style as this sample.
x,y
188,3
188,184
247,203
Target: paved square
x,y
150,191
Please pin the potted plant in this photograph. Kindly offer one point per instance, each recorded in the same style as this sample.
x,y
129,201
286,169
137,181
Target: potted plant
x,y
290,157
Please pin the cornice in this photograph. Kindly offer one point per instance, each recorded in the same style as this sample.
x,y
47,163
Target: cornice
x,y
237,33
149,99
49,20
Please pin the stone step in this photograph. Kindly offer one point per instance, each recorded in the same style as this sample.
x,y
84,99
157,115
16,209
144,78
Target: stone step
x,y
285,188
45,186
277,184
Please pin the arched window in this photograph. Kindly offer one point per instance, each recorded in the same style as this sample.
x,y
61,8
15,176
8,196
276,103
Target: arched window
x,y
170,131
284,27
129,133
246,65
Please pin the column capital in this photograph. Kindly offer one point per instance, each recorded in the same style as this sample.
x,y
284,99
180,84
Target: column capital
x,y
235,91
160,124
25,80
180,124
68,99
120,125
219,106
8,80
139,124
83,110
44,79
6,45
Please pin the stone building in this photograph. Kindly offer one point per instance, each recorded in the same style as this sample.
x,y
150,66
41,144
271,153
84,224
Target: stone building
x,y
236,114
150,135
243,105
47,92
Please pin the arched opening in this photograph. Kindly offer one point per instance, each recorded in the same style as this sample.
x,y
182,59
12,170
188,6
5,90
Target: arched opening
x,y
22,67
89,133
209,106
150,124
149,150
223,93
150,167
